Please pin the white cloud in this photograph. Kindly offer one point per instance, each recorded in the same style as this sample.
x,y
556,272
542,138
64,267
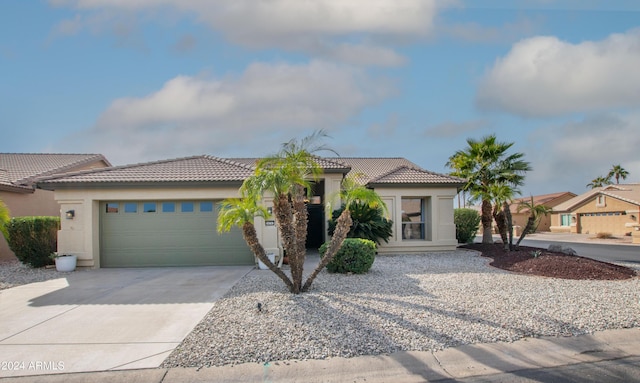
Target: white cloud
x,y
328,29
568,156
544,76
191,115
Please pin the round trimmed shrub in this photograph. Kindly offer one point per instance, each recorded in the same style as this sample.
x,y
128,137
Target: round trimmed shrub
x,y
467,222
355,256
33,239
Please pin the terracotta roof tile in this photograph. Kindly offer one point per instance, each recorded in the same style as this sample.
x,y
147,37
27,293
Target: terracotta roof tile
x,y
625,192
393,171
23,169
189,169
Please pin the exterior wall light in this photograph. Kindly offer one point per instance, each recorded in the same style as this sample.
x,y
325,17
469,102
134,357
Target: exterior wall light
x,y
70,214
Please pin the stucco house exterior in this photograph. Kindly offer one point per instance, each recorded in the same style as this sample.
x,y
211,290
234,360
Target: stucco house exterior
x,y
164,213
19,173
519,218
610,209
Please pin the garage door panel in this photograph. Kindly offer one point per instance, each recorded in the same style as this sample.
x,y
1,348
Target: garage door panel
x,y
168,239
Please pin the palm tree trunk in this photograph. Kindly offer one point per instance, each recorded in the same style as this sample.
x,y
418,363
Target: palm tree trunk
x,y
251,237
507,214
501,223
282,210
343,225
527,229
487,219
300,222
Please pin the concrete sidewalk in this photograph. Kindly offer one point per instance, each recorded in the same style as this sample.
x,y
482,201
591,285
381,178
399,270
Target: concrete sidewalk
x,y
471,363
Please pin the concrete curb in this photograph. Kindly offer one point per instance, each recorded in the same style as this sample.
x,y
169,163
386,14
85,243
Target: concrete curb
x,y
464,362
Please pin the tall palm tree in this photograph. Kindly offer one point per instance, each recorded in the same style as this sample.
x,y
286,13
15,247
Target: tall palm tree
x,y
536,212
241,212
351,194
5,217
599,182
485,163
618,172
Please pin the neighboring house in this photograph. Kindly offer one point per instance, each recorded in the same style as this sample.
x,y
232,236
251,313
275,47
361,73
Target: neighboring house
x,y
19,173
610,209
520,218
164,213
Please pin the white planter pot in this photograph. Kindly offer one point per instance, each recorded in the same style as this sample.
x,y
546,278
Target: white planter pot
x,y
66,263
272,258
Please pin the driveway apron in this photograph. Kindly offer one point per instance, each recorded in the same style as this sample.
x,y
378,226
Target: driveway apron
x,y
106,319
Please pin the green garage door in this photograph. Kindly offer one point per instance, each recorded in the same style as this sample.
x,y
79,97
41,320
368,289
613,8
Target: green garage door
x,y
167,233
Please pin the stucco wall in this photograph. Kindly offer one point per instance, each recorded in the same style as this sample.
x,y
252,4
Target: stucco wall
x,y
38,203
592,218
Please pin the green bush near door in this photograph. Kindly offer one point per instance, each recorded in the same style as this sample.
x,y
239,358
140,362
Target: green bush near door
x,y
33,239
355,256
467,222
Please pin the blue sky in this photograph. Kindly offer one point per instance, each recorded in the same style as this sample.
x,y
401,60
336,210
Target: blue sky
x,y
141,80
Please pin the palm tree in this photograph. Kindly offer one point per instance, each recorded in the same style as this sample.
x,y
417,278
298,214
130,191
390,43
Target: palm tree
x,y
618,172
5,217
351,195
502,194
599,182
241,212
288,175
535,213
485,163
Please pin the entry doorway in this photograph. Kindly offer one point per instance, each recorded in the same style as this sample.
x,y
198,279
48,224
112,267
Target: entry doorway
x,y
316,227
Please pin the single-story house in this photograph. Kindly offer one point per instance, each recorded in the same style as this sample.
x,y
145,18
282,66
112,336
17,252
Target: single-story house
x,y
520,218
610,209
19,173
164,213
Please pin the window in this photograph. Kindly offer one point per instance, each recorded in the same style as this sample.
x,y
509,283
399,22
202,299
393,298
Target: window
x,y
186,207
149,207
130,207
565,220
413,223
168,207
206,206
112,207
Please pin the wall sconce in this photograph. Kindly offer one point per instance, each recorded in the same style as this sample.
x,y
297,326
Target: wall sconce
x,y
633,217
71,214
269,210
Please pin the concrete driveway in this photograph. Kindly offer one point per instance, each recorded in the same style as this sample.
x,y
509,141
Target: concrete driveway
x,y
106,319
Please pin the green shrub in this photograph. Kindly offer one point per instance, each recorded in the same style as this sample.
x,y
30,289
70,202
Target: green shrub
x,y
368,223
467,221
355,256
33,239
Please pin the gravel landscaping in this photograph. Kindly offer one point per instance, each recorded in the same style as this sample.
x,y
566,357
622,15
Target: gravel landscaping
x,y
405,302
14,273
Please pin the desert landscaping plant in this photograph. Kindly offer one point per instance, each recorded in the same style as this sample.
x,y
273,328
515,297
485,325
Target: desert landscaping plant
x,y
485,164
368,223
5,217
466,221
287,176
33,239
536,211
356,255
604,235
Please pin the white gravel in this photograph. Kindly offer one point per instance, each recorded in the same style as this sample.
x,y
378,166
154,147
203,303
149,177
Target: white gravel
x,y
14,273
405,302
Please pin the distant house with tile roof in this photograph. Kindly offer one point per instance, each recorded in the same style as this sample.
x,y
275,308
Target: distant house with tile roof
x,y
519,218
19,173
164,213
610,209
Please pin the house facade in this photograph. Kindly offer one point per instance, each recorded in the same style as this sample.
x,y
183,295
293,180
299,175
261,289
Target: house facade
x,y
520,218
164,213
19,173
610,209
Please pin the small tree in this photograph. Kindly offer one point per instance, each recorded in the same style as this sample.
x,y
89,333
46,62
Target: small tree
x,y
599,182
536,212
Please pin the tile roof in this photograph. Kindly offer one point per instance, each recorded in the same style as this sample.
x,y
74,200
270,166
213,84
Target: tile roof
x,y
213,169
21,170
542,199
202,168
393,171
626,192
